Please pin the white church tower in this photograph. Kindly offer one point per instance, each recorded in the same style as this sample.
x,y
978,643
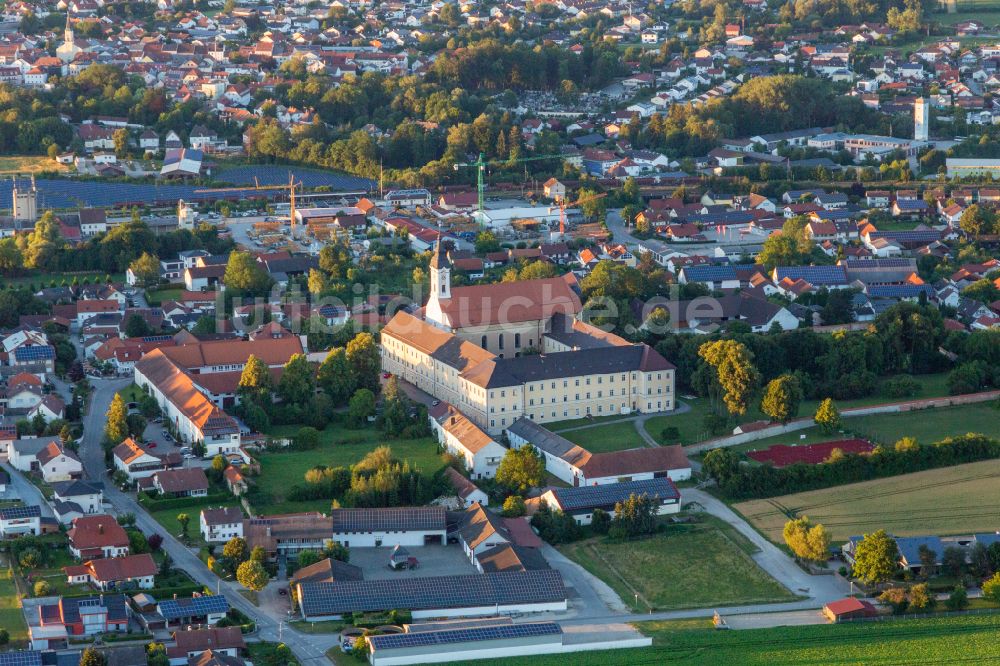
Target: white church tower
x,y
921,119
68,50
440,289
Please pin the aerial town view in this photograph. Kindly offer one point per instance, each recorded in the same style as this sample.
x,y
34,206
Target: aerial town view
x,y
499,332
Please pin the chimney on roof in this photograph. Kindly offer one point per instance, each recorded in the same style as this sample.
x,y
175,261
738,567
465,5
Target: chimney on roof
x,y
100,528
454,420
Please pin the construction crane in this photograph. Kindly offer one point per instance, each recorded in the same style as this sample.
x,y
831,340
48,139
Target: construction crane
x,y
562,209
290,187
480,166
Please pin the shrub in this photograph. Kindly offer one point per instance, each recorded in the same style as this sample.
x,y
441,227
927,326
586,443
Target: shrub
x,y
895,598
670,434
42,588
902,386
4,637
30,558
958,600
513,507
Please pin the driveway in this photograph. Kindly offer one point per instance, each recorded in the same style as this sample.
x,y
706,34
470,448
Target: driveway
x,y
24,490
771,558
588,595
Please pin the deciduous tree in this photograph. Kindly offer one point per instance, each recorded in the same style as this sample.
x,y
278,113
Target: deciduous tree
x,y
252,575
146,269
521,469
875,557
734,371
116,427
806,540
781,398
363,356
827,416
297,382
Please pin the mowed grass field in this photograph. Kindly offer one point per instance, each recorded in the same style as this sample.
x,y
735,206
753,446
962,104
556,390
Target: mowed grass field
x,y
168,518
926,425
339,446
11,617
689,567
692,429
951,500
29,164
605,438
969,639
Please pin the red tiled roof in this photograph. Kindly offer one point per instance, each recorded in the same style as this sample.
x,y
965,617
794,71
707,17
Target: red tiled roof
x,y
97,532
112,569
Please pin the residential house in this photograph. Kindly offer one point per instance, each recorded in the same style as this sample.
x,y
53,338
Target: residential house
x,y
53,625
115,573
92,537
221,524
183,482
19,520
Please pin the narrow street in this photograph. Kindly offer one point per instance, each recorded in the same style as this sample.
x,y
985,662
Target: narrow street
x,y
24,490
309,649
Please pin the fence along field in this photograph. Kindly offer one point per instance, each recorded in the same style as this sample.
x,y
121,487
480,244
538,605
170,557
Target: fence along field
x,y
950,500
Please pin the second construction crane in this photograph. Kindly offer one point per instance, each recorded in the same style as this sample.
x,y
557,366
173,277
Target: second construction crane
x,y
290,187
480,166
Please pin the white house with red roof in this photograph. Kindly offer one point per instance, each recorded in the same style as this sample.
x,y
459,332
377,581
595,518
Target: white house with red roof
x,y
93,537
111,573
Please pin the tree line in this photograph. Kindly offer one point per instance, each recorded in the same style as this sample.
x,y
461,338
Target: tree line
x,y
740,481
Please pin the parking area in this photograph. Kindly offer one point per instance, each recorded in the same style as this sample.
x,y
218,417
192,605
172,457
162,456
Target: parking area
x,y
434,561
162,444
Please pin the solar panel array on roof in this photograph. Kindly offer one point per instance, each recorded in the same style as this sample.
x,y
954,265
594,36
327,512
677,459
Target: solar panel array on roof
x,y
16,512
28,658
389,519
899,290
914,236
172,609
816,275
585,497
516,587
156,338
495,633
857,263
34,353
709,273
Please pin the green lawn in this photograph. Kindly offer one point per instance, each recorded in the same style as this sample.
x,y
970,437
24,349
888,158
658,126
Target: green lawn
x,y
689,424
168,519
966,639
690,566
339,446
11,617
263,653
692,429
131,393
926,425
157,296
572,423
610,437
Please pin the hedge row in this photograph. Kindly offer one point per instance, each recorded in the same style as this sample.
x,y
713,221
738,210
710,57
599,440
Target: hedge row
x,y
760,481
152,504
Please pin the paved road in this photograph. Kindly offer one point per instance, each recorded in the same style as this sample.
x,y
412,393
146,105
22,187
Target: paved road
x,y
308,649
24,490
594,598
